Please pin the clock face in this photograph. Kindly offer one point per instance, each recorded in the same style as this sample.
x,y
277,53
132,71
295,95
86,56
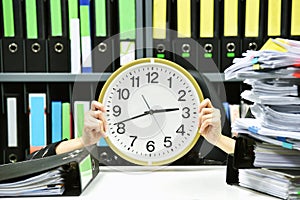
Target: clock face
x,y
152,111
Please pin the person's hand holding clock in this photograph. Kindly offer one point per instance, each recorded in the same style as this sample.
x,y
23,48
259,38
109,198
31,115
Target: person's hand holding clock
x,y
152,111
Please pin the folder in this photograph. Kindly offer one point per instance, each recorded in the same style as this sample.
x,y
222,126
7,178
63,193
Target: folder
x,y
294,32
78,168
12,153
253,31
74,34
56,121
66,121
85,34
37,121
184,47
36,49
58,40
230,41
139,10
161,26
102,42
1,59
13,134
13,49
208,35
1,36
80,108
277,19
127,31
148,29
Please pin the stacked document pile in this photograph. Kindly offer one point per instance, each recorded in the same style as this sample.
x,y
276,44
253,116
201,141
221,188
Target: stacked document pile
x,y
284,184
45,184
273,74
277,58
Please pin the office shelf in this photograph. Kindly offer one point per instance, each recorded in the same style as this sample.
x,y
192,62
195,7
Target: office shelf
x,y
53,77
92,77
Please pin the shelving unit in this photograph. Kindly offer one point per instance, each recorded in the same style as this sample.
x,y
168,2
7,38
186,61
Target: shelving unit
x,y
93,77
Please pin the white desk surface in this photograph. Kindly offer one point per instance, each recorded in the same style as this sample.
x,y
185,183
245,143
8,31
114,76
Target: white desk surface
x,y
164,183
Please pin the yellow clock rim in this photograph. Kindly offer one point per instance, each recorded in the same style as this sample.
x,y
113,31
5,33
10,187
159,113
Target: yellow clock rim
x,y
151,60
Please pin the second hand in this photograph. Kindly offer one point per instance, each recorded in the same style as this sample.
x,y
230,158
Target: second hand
x,y
153,116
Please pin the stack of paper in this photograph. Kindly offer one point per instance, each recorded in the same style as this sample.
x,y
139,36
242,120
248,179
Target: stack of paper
x,y
276,109
273,156
274,93
45,184
277,56
284,184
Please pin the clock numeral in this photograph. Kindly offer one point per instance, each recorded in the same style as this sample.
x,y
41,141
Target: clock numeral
x,y
123,93
182,93
150,146
117,111
186,113
135,81
121,128
167,142
170,82
181,130
152,77
134,138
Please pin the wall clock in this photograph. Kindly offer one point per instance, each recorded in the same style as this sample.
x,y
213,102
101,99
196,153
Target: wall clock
x,y
152,111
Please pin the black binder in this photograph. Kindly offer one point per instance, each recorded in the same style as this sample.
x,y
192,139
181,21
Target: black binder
x,y
1,36
14,124
13,37
207,34
35,42
162,36
231,32
253,36
74,165
102,43
58,43
183,44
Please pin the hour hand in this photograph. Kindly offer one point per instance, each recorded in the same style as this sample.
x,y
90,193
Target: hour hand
x,y
161,110
131,118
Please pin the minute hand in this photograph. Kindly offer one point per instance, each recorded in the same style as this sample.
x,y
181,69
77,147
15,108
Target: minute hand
x,y
161,110
131,118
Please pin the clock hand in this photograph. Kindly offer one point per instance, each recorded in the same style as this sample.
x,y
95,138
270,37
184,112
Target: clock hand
x,y
151,112
131,118
163,110
146,102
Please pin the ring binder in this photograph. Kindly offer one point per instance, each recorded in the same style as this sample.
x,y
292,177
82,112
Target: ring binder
x,y
59,45
80,167
35,43
13,48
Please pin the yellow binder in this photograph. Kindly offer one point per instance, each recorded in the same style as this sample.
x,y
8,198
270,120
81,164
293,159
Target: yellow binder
x,y
295,18
208,38
253,30
274,18
184,47
231,32
160,31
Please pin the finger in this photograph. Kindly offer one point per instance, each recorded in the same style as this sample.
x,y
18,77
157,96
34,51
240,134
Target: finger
x,y
206,103
205,111
97,106
205,125
99,115
206,117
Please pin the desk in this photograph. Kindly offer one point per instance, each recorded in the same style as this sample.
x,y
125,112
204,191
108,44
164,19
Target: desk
x,y
163,183
166,183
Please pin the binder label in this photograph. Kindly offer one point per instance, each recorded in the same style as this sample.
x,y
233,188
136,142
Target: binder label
x,y
86,173
8,18
206,18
